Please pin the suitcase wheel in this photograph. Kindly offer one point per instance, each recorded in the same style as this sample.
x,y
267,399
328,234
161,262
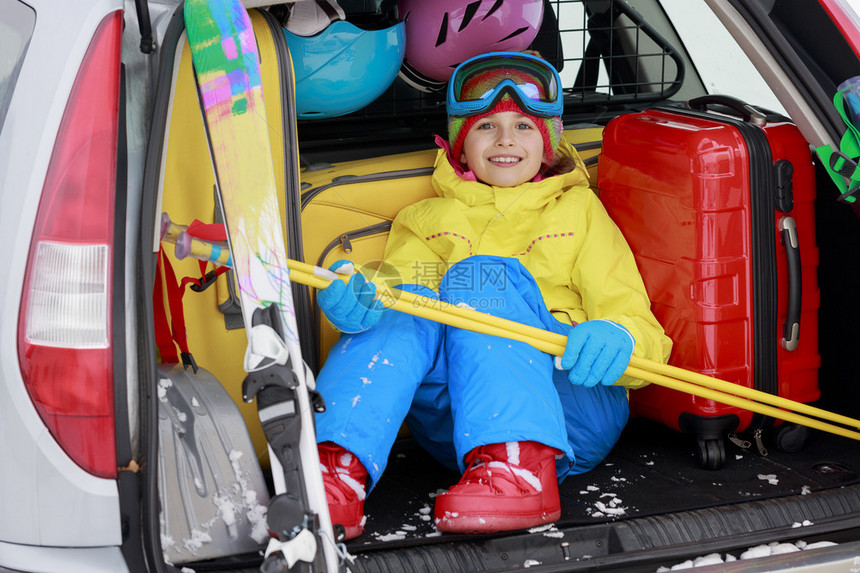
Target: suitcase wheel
x,y
791,438
711,453
710,432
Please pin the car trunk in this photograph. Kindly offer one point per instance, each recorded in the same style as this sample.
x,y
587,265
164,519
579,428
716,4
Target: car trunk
x,y
650,503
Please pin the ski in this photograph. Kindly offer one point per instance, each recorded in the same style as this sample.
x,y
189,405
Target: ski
x,y
226,64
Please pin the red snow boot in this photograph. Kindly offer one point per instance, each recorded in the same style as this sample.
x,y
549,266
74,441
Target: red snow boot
x,y
507,486
345,481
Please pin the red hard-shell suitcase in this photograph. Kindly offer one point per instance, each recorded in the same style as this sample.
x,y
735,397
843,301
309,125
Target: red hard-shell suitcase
x,y
718,210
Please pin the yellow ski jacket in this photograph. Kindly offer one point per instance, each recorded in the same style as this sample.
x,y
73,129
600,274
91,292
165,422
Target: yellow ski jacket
x,y
556,227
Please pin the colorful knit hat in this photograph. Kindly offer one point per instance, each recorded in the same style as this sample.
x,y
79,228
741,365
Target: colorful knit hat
x,y
550,128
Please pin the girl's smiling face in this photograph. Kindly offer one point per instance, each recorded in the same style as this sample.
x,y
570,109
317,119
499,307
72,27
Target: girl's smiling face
x,y
504,149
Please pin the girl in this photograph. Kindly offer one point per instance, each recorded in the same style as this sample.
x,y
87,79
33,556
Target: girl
x,y
515,231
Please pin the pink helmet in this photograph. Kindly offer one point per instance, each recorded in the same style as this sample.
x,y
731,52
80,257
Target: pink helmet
x,y
441,34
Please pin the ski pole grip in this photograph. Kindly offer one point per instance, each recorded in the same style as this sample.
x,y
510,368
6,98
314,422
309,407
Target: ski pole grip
x,y
327,274
183,245
791,326
165,225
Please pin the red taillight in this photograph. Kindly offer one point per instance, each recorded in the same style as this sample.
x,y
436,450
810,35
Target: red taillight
x,y
64,328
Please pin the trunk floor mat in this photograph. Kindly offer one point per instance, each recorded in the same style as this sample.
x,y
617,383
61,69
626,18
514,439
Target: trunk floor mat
x,y
652,470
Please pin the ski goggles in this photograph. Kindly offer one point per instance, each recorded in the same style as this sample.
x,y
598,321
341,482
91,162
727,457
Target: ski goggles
x,y
478,84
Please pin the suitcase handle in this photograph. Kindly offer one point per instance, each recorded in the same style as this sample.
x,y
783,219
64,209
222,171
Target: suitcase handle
x,y
791,327
749,113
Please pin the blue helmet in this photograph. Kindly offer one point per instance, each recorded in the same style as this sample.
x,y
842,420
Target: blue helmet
x,y
343,68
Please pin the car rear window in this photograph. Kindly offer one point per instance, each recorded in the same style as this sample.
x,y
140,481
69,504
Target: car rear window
x,y
16,27
609,54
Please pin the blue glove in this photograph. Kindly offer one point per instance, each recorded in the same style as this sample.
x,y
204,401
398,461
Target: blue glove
x,y
597,351
350,307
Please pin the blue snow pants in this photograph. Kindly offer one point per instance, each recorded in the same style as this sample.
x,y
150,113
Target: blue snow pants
x,y
457,390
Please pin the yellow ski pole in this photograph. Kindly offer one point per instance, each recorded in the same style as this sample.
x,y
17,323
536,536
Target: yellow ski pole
x,y
739,402
552,343
188,246
642,364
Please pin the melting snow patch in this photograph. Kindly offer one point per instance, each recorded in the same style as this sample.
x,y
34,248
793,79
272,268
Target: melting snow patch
x,y
259,528
805,490
242,499
610,508
167,541
541,528
781,548
757,551
711,559
548,530
396,536
531,563
770,478
163,385
817,545
592,488
345,345
196,541
424,513
226,511
774,548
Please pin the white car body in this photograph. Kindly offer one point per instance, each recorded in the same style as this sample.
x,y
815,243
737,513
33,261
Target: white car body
x,y
56,516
